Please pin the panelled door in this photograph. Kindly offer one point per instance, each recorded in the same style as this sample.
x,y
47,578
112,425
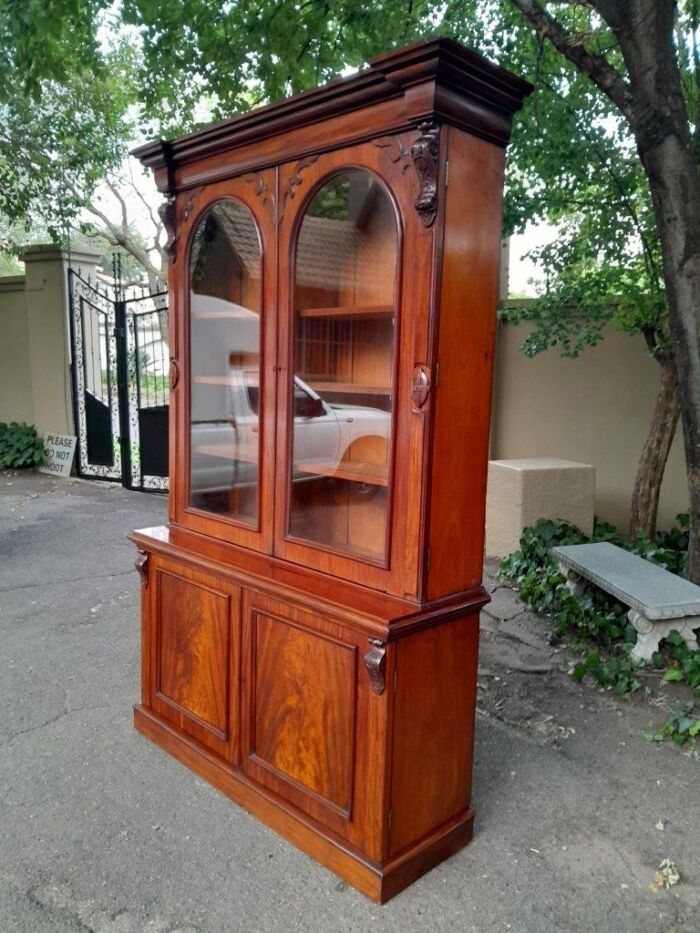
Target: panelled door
x,y
193,654
353,328
224,368
313,730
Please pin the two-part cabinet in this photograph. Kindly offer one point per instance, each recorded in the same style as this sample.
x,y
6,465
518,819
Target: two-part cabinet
x,y
310,612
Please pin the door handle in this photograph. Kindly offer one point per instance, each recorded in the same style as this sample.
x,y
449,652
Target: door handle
x,y
420,387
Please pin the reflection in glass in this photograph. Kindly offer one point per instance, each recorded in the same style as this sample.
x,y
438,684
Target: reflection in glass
x,y
344,320
225,299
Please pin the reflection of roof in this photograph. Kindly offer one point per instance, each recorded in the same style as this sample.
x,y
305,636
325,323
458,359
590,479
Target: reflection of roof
x,y
326,248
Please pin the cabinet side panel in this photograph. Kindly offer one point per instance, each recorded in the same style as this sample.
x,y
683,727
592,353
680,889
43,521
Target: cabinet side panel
x,y
433,740
465,339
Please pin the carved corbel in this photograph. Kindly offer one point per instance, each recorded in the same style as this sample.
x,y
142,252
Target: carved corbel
x,y
141,564
375,662
425,153
166,212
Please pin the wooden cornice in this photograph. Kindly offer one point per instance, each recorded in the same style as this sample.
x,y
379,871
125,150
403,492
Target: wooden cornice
x,y
438,79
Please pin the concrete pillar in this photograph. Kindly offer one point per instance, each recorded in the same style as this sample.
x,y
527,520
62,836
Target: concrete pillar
x,y
521,491
48,332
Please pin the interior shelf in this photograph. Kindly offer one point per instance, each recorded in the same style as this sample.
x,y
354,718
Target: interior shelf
x,y
376,474
352,388
348,311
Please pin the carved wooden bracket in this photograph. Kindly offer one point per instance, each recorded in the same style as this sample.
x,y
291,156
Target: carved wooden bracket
x,y
294,182
261,189
141,564
420,387
375,662
425,152
424,155
166,212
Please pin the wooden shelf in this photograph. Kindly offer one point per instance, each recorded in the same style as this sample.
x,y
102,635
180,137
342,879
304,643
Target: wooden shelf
x,y
351,388
348,311
376,474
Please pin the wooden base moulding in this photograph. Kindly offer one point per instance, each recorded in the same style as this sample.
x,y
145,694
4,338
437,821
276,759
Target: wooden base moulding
x,y
378,882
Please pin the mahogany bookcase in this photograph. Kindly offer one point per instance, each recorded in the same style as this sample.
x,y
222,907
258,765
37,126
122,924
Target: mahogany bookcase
x,y
310,614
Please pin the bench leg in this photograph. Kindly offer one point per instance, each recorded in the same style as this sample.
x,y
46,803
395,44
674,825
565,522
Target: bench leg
x,y
688,635
648,636
650,633
575,583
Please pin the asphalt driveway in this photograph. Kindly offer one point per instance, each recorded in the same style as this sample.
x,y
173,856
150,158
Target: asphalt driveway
x,y
101,831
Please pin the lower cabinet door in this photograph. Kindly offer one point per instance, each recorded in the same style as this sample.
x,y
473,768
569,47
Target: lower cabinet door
x,y
194,648
312,728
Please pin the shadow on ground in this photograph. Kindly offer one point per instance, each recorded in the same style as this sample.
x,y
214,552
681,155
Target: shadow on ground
x,y
101,831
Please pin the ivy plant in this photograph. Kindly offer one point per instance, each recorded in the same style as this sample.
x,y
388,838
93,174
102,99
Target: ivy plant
x,y
20,446
596,622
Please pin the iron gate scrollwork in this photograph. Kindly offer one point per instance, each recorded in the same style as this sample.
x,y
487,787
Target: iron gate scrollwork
x,y
120,370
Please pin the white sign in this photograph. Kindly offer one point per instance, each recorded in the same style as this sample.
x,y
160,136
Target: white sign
x,y
59,450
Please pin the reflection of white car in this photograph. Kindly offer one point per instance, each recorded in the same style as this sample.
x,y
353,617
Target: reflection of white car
x,y
225,339
224,452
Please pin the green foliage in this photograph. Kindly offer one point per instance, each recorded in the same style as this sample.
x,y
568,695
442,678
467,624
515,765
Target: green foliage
x,y
63,128
20,446
597,622
80,78
682,725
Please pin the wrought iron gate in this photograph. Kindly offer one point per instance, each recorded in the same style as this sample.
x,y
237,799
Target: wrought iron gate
x,y
120,376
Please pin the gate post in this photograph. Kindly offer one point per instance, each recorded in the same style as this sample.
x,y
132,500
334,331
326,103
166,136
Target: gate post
x,y
48,334
123,391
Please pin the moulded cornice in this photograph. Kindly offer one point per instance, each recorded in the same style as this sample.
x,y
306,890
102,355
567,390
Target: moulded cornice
x,y
438,79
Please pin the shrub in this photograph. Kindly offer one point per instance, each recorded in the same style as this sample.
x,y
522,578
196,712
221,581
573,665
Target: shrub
x,y
20,446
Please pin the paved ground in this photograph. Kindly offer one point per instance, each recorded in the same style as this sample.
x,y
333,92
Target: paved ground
x,y
101,831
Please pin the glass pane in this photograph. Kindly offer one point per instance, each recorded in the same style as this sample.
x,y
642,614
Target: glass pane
x,y
344,320
225,299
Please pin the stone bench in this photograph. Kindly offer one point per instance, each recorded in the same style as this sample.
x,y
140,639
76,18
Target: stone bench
x,y
659,601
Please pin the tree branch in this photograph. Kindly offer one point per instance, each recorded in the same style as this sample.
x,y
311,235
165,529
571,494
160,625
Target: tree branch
x,y
117,236
572,47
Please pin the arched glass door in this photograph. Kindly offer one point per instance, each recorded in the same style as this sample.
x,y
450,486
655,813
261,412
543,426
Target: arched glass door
x,y
343,355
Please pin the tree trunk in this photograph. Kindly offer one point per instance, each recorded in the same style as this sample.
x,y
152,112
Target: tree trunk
x,y
677,207
659,120
652,463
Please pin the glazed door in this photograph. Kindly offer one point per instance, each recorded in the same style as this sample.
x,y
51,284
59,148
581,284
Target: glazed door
x,y
355,298
224,371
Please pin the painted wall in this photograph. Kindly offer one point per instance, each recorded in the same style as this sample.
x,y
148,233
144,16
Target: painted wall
x,y
16,398
594,409
35,379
